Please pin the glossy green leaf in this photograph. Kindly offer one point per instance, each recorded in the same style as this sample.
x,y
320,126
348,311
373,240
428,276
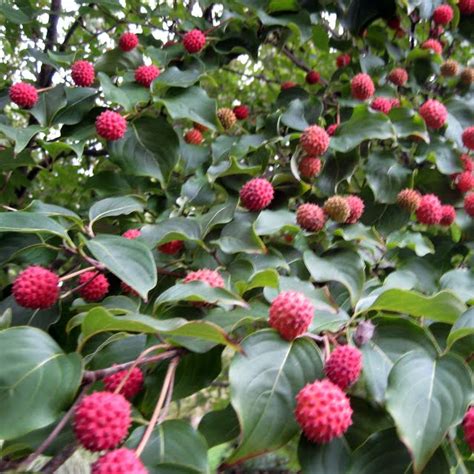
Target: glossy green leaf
x,y
20,136
28,222
460,282
48,105
330,458
174,77
114,206
463,327
415,241
176,228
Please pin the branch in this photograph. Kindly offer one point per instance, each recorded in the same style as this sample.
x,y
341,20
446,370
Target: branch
x,y
52,466
299,62
261,77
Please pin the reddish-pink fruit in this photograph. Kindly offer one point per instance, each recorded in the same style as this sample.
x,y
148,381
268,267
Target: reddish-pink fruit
x,y
194,41
132,386
287,85
193,137
82,73
362,87
132,234
315,140
382,104
119,461
409,199
467,162
448,215
145,75
128,41
394,23
323,411
469,204
331,129
343,60
24,95
464,181
310,217
434,113
468,138
434,45
313,77
309,167
172,247
111,125
443,14
468,424
97,287
466,7
211,277
200,127
36,288
429,211
398,76
337,208
127,290
291,314
241,112
102,420
344,366
256,194
357,209
394,103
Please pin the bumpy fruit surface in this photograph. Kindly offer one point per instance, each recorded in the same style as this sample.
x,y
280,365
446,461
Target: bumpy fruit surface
x,y
132,386
357,207
119,461
309,167
241,112
102,420
468,138
170,248
466,7
128,41
362,87
287,85
323,411
313,77
291,314
448,215
226,117
256,194
382,104
310,217
97,287
344,366
443,15
211,277
467,76
36,288
111,125
468,427
464,181
434,113
449,68
343,60
469,204
337,208
467,162
132,234
193,137
194,41
398,76
82,73
315,140
145,75
434,45
409,199
24,95
331,129
429,211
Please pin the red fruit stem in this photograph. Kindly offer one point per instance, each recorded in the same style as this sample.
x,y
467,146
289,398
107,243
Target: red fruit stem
x,y
75,274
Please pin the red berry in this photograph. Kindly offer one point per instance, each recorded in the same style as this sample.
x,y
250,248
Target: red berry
x,y
362,87
468,138
448,215
132,385
443,15
24,95
464,181
256,194
313,77
409,199
102,420
241,112
468,424
36,288
434,113
394,23
467,162
343,60
337,208
466,7
309,167
434,45
323,411
331,129
82,73
429,211
291,314
288,85
145,75
97,287
398,76
382,104
132,234
200,127
172,247
395,103
111,125
344,366
310,217
119,461
315,140
357,209
128,41
193,137
211,277
194,41
469,204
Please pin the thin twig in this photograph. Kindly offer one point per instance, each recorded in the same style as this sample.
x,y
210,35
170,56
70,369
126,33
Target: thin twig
x,y
75,274
52,466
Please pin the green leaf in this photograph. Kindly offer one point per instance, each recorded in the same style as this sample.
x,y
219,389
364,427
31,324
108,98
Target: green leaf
x,y
271,222
39,207
294,117
48,105
327,458
129,96
129,260
218,214
415,241
114,206
363,12
421,389
117,60
174,77
20,136
79,101
37,380
264,381
463,327
408,123
337,168
460,282
28,222
219,426
176,228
